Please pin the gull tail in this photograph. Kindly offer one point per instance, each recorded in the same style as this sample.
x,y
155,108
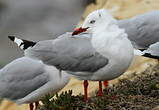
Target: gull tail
x,y
23,44
145,54
149,55
151,52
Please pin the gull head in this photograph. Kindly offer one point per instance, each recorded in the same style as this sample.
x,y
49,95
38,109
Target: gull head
x,y
95,21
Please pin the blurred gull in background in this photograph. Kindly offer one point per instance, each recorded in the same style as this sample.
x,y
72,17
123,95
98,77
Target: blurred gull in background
x,y
143,31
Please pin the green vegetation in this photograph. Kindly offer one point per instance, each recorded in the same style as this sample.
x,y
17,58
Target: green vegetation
x,y
139,93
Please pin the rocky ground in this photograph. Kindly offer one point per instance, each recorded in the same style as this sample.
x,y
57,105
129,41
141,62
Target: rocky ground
x,y
139,93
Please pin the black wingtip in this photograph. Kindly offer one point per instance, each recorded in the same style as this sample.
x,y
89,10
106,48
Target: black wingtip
x,y
11,38
150,56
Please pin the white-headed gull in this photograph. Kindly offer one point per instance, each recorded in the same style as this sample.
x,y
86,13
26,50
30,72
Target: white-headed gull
x,y
103,54
26,80
143,31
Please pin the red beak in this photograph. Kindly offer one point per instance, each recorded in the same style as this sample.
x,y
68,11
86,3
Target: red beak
x,y
79,30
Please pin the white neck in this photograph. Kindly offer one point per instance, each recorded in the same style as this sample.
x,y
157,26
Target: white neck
x,y
107,41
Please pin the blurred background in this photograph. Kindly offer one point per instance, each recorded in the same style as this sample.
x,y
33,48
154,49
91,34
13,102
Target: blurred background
x,y
46,19
36,20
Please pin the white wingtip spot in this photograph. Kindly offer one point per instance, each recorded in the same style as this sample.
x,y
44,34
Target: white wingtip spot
x,y
18,41
22,47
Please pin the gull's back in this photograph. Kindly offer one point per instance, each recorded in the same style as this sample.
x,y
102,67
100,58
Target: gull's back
x,y
142,30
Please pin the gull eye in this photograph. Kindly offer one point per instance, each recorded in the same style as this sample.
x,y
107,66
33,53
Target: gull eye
x,y
92,21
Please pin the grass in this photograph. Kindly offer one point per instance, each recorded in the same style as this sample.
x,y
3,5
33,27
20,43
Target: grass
x,y
139,93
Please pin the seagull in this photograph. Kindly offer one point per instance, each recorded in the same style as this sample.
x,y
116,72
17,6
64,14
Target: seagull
x,y
101,53
26,80
143,32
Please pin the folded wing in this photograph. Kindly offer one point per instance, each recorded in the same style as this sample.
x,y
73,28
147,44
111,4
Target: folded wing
x,y
21,77
69,53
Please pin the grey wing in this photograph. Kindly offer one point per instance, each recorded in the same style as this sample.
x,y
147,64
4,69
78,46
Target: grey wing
x,y
69,53
21,77
142,30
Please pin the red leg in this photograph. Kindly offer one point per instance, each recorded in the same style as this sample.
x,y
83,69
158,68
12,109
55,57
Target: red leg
x,y
36,105
31,106
85,90
100,91
105,83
